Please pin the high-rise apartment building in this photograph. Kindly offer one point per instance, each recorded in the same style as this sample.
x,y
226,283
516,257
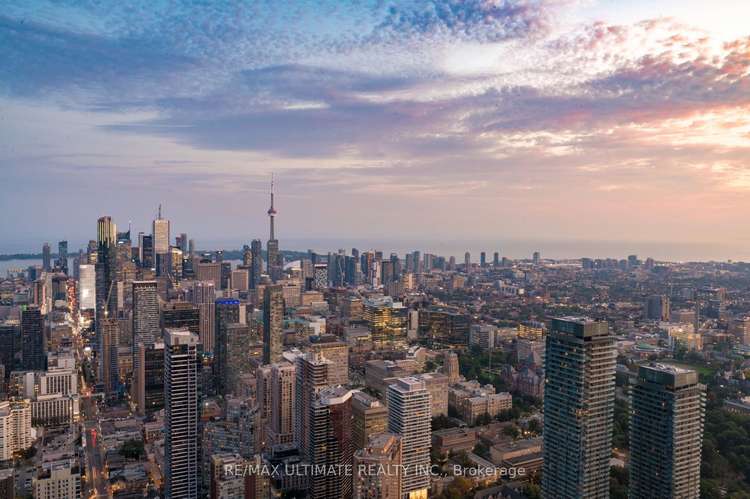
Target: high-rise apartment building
x,y
181,418
578,408
15,428
312,377
381,452
227,312
331,443
282,404
657,308
409,416
256,265
273,323
666,433
109,336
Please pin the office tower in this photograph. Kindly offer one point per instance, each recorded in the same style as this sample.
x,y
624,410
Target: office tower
x,y
236,358
657,308
46,257
451,367
227,312
282,404
62,256
181,315
330,347
312,377
160,232
444,326
146,250
240,280
208,271
273,324
467,262
369,417
9,346
387,321
578,408
191,247
331,443
410,417
204,297
182,242
482,259
86,287
145,313
33,340
496,259
417,262
536,258
109,337
666,433
256,266
181,414
106,267
381,452
148,378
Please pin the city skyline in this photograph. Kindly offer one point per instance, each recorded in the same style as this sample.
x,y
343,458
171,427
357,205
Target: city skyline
x,y
571,120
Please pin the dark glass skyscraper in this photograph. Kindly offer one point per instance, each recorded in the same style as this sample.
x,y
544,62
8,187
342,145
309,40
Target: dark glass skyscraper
x,y
227,312
33,341
62,256
666,433
579,400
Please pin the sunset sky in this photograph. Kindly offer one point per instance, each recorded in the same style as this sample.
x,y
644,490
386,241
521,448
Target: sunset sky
x,y
476,119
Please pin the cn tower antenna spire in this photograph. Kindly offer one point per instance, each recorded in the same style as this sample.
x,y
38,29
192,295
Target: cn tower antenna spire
x,y
272,213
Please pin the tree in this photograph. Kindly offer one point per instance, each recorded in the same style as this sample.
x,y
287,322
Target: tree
x,y
511,431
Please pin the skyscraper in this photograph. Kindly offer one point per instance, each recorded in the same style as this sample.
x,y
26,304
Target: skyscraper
x,y
62,256
146,328
409,416
282,404
32,339
578,408
181,399
204,297
108,366
46,257
160,234
148,378
106,267
467,262
496,259
666,433
312,377
256,264
482,259
227,312
272,247
86,287
331,443
273,323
